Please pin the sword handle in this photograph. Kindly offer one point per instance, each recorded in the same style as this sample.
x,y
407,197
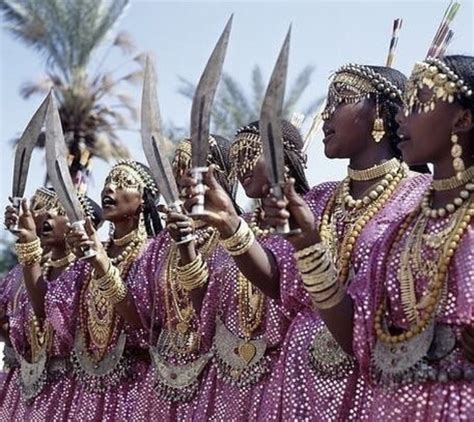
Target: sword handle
x,y
16,203
199,208
177,206
87,252
283,229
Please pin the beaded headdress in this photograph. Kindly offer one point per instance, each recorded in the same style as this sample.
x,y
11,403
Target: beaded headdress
x,y
444,83
183,156
131,176
247,148
46,200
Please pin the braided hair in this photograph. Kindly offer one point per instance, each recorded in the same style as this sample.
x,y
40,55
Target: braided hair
x,y
150,199
292,146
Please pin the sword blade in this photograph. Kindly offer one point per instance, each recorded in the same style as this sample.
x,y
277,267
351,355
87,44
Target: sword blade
x,y
270,117
153,141
204,97
24,149
56,163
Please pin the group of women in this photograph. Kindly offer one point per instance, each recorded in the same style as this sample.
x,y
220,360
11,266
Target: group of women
x,y
365,311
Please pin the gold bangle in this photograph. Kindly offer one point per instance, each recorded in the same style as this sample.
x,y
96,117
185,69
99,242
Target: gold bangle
x,y
196,279
317,248
29,253
331,300
241,241
111,286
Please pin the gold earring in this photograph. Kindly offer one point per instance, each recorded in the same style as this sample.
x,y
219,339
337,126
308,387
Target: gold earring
x,y
456,153
378,130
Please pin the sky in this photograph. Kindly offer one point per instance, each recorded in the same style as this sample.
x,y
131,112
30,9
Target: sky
x,y
181,35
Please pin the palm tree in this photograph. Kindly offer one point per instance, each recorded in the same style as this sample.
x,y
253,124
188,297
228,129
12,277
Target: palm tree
x,y
67,33
233,109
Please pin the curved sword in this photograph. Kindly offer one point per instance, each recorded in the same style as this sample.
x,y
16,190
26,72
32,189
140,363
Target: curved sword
x,y
153,143
58,169
201,112
270,125
23,152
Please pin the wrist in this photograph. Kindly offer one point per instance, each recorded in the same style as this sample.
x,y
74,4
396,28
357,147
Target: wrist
x,y
306,239
229,226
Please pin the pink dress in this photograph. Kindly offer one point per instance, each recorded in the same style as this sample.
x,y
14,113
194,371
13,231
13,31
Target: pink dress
x,y
427,378
315,379
108,389
179,361
40,390
235,384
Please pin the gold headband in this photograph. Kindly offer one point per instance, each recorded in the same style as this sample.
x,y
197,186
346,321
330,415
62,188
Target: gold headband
x,y
445,84
46,200
352,83
129,175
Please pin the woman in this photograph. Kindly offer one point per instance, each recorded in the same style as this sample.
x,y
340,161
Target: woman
x,y
244,284
107,318
44,370
180,346
319,380
410,338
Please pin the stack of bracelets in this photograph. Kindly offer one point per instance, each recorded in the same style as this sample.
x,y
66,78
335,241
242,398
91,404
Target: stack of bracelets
x,y
319,276
193,275
241,241
110,285
29,253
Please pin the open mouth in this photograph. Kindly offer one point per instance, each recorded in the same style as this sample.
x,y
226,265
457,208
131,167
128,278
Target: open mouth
x,y
108,202
46,229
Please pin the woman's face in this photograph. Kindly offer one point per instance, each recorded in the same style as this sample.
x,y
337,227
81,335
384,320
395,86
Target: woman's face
x,y
122,196
249,166
181,162
53,230
348,130
426,136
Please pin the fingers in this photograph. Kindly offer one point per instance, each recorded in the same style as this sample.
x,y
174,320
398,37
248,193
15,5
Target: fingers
x,y
162,208
176,216
90,230
25,207
210,177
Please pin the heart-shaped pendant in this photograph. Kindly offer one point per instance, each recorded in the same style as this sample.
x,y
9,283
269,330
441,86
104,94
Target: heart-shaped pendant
x,y
182,327
247,352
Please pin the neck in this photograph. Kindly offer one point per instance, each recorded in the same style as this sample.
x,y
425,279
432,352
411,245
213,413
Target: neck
x,y
58,252
372,156
123,228
443,168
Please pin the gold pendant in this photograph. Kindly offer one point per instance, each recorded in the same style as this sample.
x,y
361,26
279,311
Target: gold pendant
x,y
182,327
247,352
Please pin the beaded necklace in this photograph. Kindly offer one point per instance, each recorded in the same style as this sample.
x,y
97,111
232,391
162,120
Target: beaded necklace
x,y
421,313
357,218
183,339
98,319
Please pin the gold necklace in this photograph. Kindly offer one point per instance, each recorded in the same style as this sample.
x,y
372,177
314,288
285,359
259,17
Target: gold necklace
x,y
431,298
98,317
455,182
125,240
254,224
179,309
342,251
374,172
450,207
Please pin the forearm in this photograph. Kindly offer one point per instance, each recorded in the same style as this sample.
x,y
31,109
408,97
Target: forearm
x,y
340,322
257,264
36,288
